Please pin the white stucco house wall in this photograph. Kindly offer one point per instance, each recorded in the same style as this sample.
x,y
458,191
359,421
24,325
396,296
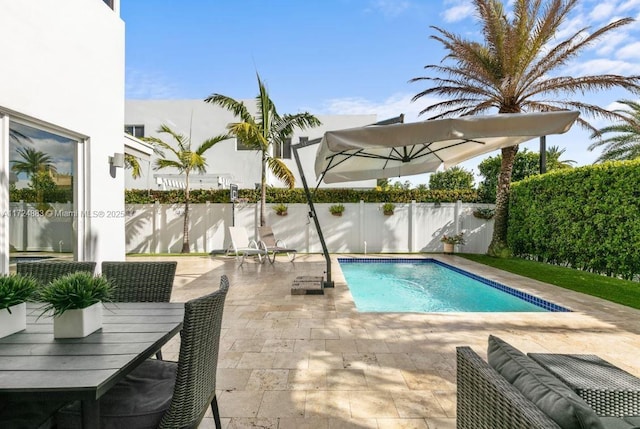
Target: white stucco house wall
x,y
62,93
226,163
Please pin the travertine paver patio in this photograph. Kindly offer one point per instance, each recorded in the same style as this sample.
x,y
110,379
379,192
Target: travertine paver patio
x,y
313,361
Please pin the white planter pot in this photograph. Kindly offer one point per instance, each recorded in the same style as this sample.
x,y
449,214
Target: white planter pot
x,y
448,247
78,323
10,323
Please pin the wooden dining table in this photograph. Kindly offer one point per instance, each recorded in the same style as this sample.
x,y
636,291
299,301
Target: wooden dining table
x,y
35,366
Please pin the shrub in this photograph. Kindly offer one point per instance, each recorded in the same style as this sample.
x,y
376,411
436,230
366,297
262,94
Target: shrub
x,y
74,291
16,289
585,218
337,209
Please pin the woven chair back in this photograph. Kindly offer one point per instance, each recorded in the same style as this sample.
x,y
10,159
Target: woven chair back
x,y
140,281
195,385
47,271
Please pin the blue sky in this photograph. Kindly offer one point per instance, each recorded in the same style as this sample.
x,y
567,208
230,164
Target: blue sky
x,y
336,56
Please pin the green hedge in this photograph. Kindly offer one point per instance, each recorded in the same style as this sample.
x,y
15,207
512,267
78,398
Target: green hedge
x,y
586,218
290,196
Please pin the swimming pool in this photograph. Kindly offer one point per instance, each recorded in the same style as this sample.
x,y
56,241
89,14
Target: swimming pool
x,y
431,286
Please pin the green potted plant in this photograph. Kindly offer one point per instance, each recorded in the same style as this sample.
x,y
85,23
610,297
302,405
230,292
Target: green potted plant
x,y
280,209
451,240
484,213
388,208
337,209
15,291
75,302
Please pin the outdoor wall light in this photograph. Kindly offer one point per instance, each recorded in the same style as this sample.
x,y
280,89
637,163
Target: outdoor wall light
x,y
117,160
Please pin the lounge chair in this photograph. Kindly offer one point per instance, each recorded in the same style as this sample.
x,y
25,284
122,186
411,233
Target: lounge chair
x,y
242,247
274,246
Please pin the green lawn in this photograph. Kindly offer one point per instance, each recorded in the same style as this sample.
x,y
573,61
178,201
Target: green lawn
x,y
621,291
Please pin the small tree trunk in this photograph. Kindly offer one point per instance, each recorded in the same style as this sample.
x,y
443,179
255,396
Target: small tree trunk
x,y
501,218
185,228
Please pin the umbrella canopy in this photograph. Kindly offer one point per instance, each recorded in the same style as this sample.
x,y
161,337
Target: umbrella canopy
x,y
383,151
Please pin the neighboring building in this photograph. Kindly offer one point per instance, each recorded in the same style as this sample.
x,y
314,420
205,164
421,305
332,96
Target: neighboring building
x,y
62,95
228,162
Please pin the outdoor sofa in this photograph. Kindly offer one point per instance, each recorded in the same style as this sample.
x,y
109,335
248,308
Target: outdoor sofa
x,y
512,391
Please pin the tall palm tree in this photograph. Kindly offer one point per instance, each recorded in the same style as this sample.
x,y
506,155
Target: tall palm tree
x,y
626,143
264,131
33,161
511,71
553,159
187,160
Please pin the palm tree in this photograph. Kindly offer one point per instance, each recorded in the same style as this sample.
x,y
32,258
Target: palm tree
x,y
33,161
553,159
132,163
511,71
624,145
186,161
263,131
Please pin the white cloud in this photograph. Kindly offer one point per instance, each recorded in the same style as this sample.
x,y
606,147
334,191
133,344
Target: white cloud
x,y
629,5
390,8
603,66
388,108
609,43
458,12
570,27
145,85
603,11
630,51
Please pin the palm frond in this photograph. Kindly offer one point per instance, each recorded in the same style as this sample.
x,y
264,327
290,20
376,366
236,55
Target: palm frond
x,y
238,108
281,171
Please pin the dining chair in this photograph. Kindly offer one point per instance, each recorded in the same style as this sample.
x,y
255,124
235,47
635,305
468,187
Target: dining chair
x,y
47,271
168,394
140,281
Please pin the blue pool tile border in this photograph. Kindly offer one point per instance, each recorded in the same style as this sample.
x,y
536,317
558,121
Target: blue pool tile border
x,y
547,305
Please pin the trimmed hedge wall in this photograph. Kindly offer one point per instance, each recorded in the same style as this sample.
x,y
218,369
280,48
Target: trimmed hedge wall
x,y
290,196
587,218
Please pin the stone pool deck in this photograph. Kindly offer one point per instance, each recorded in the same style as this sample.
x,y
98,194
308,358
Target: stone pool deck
x,y
312,361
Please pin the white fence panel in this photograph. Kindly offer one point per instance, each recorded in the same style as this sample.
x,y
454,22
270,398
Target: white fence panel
x,y
414,227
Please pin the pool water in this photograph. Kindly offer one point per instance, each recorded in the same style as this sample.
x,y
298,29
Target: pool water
x,y
428,286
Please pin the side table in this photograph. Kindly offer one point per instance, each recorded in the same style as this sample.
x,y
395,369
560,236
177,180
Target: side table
x,y
609,390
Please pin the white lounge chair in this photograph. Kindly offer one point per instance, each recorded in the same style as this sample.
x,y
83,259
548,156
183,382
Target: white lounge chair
x,y
242,247
274,246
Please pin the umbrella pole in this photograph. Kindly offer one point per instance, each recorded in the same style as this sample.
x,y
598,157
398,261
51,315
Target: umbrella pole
x,y
312,213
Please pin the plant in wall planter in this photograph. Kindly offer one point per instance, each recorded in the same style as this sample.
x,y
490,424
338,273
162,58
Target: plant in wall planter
x,y
281,209
484,213
388,208
75,302
337,209
451,240
15,291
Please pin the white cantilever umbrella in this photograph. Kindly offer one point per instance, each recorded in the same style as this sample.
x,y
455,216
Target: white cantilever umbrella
x,y
383,151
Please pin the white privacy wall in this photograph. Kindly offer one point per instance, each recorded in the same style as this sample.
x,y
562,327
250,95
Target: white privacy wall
x,y
414,227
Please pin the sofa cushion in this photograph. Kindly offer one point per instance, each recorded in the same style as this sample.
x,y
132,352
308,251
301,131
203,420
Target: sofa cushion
x,y
549,394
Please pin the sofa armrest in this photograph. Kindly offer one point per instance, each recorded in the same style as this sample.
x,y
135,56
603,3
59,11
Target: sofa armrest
x,y
485,400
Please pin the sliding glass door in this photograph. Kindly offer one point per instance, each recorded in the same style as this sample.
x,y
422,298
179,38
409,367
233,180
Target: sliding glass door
x,y
43,192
